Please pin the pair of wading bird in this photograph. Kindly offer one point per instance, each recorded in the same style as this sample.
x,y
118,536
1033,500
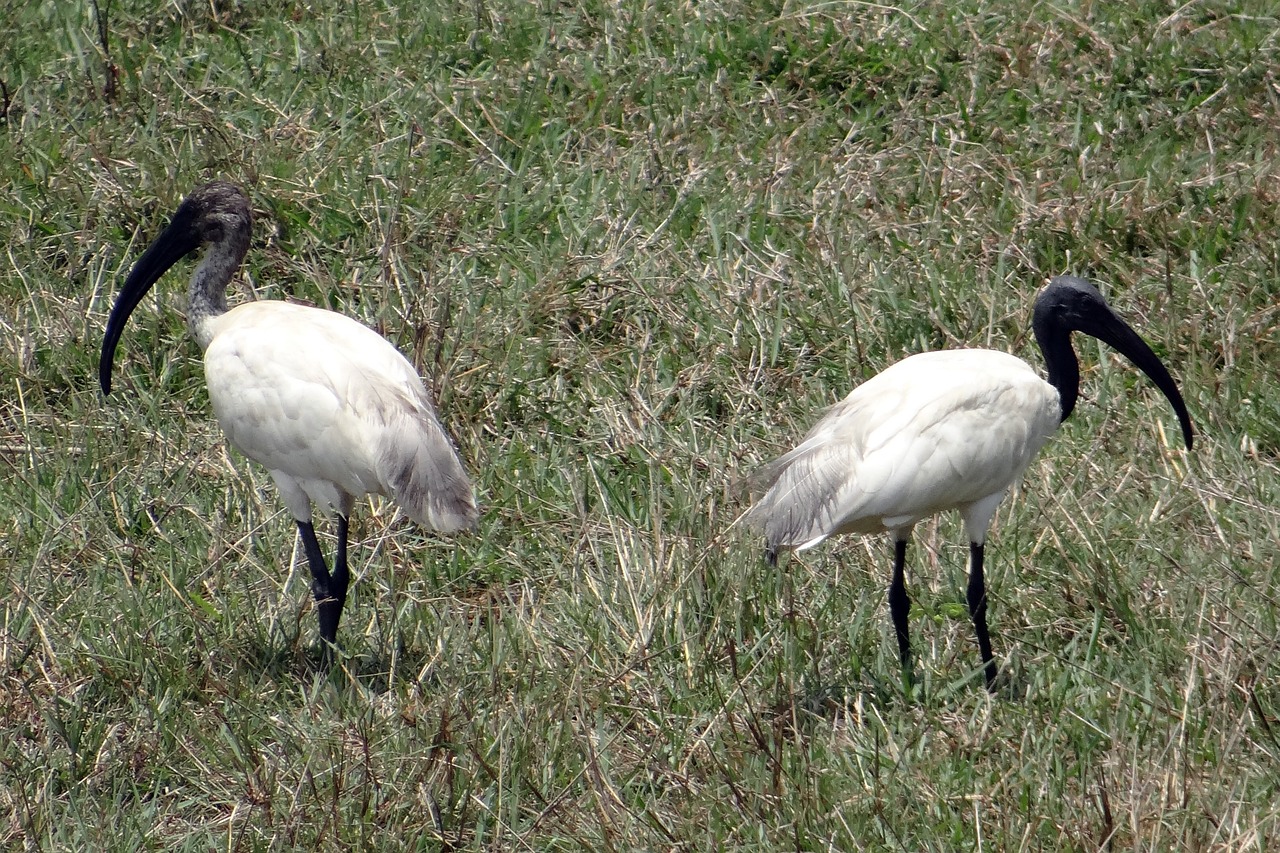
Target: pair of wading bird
x,y
335,412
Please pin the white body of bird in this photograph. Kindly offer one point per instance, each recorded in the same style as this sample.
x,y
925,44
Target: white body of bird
x,y
937,430
333,411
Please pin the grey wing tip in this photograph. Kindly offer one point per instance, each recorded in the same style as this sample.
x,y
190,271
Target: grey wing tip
x,y
757,484
760,518
454,513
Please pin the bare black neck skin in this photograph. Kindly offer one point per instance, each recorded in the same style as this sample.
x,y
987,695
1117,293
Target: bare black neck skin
x,y
1059,360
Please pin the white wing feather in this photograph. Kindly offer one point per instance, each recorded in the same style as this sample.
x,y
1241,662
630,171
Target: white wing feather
x,y
330,405
935,431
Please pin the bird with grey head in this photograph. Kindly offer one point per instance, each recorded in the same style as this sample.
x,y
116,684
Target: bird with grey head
x,y
329,407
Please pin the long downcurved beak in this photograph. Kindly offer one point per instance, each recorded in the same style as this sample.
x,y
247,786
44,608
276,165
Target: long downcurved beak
x,y
177,241
1108,327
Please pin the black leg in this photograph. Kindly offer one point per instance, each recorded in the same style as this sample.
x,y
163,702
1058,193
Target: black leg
x,y
341,577
330,591
899,604
977,595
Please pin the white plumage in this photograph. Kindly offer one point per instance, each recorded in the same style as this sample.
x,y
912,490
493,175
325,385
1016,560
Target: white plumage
x,y
327,405
937,431
334,412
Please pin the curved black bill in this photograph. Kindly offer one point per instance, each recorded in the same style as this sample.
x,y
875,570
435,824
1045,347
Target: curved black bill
x,y
174,243
1081,307
1119,335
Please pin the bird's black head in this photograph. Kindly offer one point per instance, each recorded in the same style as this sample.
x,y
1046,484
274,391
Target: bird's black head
x,y
1070,304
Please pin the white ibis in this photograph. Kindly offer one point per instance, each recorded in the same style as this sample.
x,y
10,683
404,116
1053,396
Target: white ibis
x,y
937,431
327,405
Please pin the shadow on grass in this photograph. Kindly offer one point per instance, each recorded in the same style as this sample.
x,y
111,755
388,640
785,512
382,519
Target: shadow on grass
x,y
299,660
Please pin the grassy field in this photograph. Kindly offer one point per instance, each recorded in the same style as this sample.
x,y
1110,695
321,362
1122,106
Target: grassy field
x,y
636,248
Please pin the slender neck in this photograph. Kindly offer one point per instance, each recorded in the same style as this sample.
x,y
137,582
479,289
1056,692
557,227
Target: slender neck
x,y
1060,361
207,295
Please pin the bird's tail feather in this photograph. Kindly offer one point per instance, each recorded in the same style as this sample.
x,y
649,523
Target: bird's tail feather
x,y
425,476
